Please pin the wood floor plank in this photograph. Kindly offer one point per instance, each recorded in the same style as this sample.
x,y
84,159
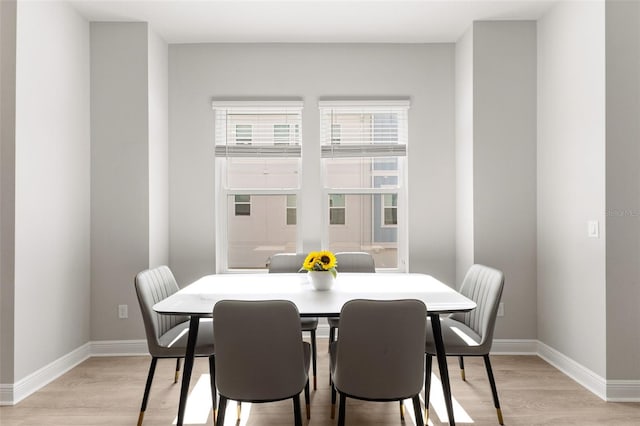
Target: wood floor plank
x,y
108,391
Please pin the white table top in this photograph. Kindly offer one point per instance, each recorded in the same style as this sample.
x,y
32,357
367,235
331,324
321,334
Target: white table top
x,y
200,297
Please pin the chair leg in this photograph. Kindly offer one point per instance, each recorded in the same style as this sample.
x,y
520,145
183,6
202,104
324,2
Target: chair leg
x,y
332,334
212,375
177,375
427,386
238,411
342,409
296,410
314,356
461,362
494,390
417,410
333,402
222,408
401,410
306,400
147,389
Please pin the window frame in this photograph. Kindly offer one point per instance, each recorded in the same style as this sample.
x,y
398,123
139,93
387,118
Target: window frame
x,y
288,207
244,140
237,203
343,207
384,208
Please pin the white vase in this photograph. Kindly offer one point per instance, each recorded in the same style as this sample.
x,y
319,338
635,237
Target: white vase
x,y
321,280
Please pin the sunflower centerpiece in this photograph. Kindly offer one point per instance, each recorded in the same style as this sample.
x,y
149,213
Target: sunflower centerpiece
x,y
321,267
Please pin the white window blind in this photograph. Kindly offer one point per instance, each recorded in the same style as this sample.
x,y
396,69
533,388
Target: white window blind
x,y
363,128
257,129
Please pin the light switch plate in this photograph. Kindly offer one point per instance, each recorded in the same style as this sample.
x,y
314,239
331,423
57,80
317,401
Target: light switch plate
x,y
593,230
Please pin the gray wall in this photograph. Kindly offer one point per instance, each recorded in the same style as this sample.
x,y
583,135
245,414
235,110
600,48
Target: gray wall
x,y
571,182
623,189
129,170
158,151
496,146
52,185
119,174
504,165
7,184
197,73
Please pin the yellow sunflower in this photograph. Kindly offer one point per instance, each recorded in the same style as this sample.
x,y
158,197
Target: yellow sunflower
x,y
320,261
327,260
310,261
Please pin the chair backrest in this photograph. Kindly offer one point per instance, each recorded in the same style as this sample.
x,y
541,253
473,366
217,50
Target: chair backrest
x,y
483,285
259,350
380,352
355,261
152,286
286,262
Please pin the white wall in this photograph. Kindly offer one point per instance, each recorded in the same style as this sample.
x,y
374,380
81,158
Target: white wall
x,y
464,154
571,182
623,189
52,277
158,151
197,73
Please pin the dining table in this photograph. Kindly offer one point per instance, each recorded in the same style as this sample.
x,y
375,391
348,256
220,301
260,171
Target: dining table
x,y
196,301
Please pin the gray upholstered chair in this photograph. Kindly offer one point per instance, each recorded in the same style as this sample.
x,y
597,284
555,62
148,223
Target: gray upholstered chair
x,y
471,333
260,355
380,353
167,334
350,261
292,263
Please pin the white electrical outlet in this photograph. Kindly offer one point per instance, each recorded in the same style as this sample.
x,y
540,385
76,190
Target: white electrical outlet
x,y
501,309
123,311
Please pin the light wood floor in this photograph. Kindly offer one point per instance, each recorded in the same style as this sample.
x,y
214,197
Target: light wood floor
x,y
108,391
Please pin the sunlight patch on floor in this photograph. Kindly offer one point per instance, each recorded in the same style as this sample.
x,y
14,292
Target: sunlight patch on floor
x,y
199,406
199,403
437,404
408,412
231,411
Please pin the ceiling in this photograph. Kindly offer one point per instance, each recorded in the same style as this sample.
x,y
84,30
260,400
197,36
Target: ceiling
x,y
311,21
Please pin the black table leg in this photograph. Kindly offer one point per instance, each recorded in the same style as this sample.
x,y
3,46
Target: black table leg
x,y
442,364
188,366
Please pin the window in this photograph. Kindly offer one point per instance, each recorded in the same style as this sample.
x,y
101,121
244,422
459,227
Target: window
x,y
243,205
363,150
357,203
284,134
390,210
292,210
244,133
337,209
336,131
257,151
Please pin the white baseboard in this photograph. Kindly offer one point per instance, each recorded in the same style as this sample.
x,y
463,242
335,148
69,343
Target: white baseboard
x,y
6,394
11,394
578,372
608,390
514,347
623,390
119,347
